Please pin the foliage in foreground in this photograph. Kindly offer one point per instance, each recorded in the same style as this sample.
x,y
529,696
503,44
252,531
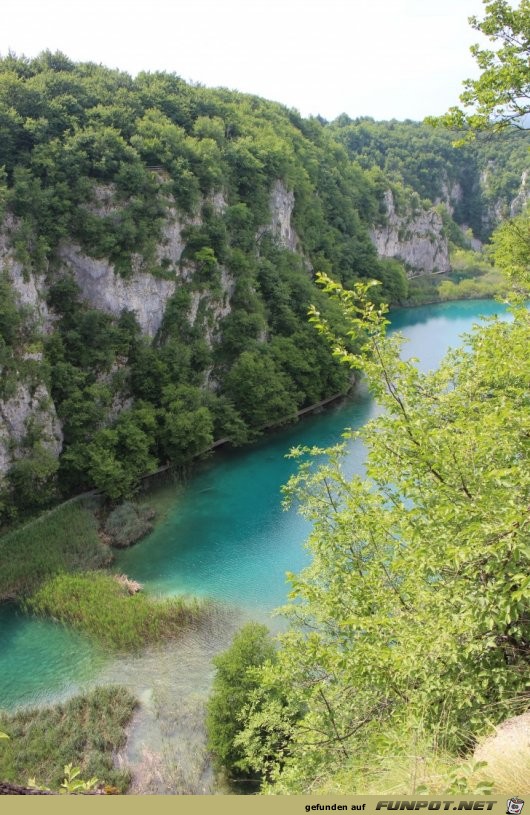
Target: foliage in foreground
x,y
86,731
416,603
232,687
99,605
499,97
63,539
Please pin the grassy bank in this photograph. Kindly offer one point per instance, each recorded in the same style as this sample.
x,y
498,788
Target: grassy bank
x,y
97,604
442,288
85,731
63,539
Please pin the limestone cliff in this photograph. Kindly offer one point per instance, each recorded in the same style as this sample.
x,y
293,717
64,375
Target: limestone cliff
x,y
281,209
100,286
145,294
28,410
30,288
415,237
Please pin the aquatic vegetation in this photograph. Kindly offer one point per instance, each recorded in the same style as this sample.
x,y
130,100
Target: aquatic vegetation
x,y
101,606
64,538
86,732
127,523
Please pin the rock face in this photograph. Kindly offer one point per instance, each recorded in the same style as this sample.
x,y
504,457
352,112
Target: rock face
x,y
147,296
452,195
523,195
415,238
143,294
16,413
281,209
29,405
498,209
173,244
30,289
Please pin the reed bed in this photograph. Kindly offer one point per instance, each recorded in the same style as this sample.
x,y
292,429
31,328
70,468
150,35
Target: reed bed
x,y
85,731
63,539
102,607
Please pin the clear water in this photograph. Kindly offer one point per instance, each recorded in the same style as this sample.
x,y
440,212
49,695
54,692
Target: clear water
x,y
41,661
226,537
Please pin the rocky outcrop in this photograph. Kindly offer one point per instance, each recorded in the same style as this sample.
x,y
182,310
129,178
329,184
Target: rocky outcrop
x,y
498,209
27,408
281,208
170,249
523,195
30,289
451,195
146,295
142,293
216,308
100,286
416,238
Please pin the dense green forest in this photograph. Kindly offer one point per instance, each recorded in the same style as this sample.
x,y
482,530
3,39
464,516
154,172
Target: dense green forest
x,y
154,148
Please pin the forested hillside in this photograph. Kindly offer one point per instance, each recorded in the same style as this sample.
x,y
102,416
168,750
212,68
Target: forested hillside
x,y
482,183
157,256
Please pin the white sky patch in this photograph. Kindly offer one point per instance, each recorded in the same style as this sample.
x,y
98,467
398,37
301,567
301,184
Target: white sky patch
x,y
382,58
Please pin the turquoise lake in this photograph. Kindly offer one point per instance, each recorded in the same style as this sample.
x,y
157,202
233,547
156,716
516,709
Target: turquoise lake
x,y
226,537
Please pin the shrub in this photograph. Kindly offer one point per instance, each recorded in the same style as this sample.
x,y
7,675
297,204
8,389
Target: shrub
x,y
87,730
232,688
128,523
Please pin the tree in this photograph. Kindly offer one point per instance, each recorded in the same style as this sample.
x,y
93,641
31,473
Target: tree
x,y
417,600
233,684
511,249
501,95
262,393
32,478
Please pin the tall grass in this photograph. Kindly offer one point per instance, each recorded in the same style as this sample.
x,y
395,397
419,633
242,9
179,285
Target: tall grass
x,y
97,604
63,539
405,759
85,731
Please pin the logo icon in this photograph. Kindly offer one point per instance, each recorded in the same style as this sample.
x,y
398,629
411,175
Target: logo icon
x,y
514,806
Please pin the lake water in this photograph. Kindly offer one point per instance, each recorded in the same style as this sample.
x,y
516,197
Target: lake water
x,y
226,537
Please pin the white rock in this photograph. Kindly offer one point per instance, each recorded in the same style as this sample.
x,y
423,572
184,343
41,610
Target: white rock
x,y
15,413
281,206
416,239
100,286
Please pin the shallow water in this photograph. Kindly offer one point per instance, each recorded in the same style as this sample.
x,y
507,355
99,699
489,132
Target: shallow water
x,y
41,661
